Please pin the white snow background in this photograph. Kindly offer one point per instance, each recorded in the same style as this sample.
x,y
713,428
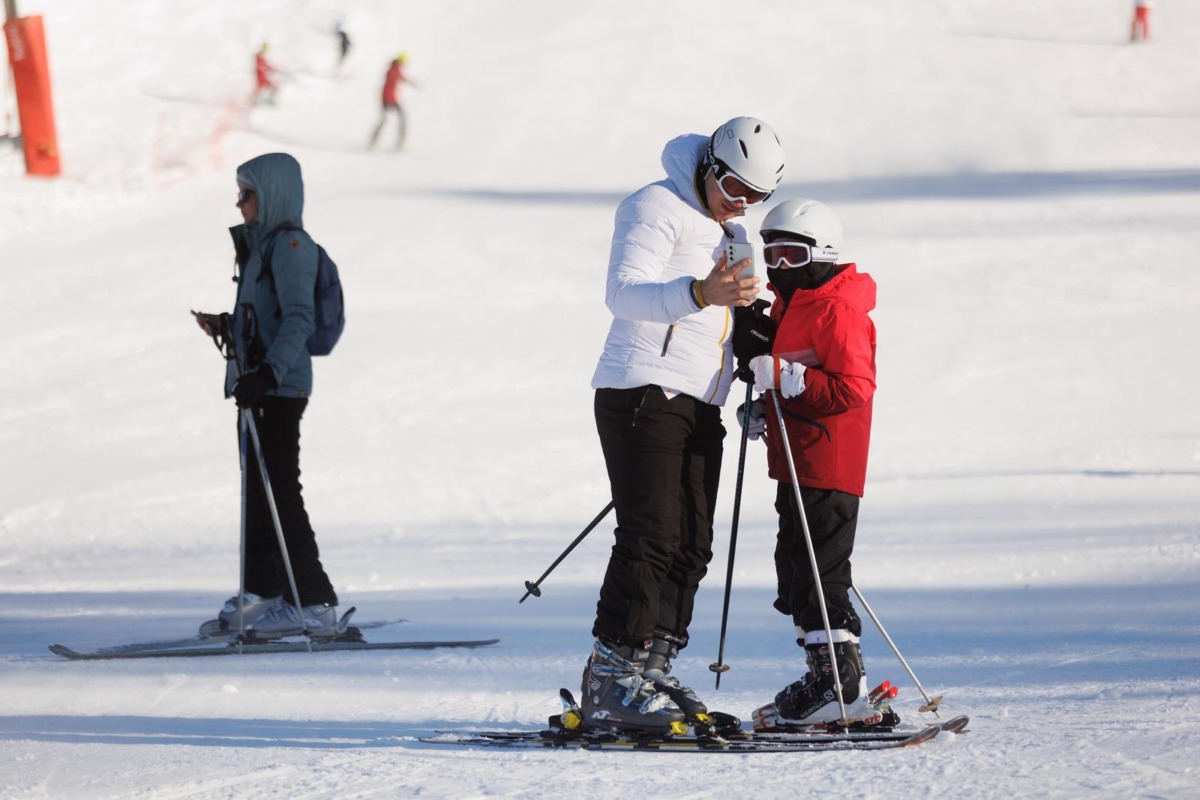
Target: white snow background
x,y
1022,183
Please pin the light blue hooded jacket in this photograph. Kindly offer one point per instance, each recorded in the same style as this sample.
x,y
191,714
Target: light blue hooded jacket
x,y
274,318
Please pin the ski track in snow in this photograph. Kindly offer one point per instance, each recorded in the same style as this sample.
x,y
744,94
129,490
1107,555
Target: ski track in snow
x,y
1021,182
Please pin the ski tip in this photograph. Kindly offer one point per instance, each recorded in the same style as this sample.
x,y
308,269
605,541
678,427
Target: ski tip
x,y
956,724
63,650
922,736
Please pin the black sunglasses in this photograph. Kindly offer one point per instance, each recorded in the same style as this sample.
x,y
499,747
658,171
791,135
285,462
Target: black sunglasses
x,y
244,195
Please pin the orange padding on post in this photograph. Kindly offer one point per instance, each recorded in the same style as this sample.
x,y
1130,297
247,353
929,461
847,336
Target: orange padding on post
x,y
31,74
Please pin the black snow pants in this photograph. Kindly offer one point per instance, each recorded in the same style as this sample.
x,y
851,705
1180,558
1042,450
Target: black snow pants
x,y
664,465
278,423
832,520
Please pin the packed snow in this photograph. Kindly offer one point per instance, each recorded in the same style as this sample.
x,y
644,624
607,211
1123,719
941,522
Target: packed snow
x,y
1021,181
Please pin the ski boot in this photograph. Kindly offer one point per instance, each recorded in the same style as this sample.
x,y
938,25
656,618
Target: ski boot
x,y
320,621
811,702
618,698
227,620
658,670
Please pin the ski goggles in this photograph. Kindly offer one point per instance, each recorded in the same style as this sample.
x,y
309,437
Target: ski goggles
x,y
786,255
734,188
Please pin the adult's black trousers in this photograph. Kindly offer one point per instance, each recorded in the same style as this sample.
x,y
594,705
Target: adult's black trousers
x,y
278,423
663,457
832,521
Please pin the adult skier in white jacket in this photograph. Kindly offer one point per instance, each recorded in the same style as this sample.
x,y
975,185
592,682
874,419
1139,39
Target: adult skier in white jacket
x,y
665,371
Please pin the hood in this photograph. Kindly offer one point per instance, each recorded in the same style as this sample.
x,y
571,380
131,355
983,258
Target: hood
x,y
680,158
850,285
275,178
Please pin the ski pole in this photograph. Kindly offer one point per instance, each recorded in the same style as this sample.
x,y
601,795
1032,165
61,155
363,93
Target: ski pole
x,y
242,436
720,665
812,553
931,704
532,588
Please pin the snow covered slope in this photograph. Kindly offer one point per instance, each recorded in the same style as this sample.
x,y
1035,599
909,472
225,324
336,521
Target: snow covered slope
x,y
1022,183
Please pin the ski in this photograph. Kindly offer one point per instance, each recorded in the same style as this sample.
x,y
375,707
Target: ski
x,y
745,743
720,733
227,648
210,632
953,725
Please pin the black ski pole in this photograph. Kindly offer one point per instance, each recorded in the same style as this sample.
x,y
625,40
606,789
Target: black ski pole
x,y
532,588
720,665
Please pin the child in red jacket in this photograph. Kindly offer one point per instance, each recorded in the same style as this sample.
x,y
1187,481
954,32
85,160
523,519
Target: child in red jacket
x,y
822,370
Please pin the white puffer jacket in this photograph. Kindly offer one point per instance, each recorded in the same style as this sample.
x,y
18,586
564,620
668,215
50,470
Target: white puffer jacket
x,y
664,240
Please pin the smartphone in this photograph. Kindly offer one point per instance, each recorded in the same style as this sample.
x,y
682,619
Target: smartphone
x,y
739,251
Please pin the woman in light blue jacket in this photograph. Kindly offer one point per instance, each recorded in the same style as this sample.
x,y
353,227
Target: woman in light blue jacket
x,y
271,374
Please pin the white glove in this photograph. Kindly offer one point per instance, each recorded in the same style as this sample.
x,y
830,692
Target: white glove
x,y
791,375
758,419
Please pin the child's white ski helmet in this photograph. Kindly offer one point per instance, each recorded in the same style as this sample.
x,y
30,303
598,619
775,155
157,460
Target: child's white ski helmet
x,y
811,219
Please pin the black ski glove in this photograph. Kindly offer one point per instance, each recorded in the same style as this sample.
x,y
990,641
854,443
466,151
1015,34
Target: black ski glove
x,y
753,335
253,386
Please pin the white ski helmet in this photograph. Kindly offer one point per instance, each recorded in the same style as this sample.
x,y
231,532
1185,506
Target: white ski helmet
x,y
811,219
751,150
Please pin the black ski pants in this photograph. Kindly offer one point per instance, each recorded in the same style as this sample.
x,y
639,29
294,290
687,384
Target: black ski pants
x,y
832,521
664,465
278,423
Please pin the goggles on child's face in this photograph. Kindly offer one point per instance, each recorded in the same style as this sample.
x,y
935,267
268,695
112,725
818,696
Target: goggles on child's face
x,y
734,189
786,255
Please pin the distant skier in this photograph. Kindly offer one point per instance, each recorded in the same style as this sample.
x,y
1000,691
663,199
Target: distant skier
x,y
1139,30
265,87
390,101
822,371
343,40
661,380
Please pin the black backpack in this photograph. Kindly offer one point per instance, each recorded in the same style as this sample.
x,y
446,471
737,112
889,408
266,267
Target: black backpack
x,y
329,305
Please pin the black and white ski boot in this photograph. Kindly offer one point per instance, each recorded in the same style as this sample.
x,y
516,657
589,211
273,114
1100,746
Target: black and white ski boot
x,y
812,701
618,698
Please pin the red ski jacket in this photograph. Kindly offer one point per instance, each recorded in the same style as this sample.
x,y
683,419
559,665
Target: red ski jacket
x,y
829,423
263,72
391,82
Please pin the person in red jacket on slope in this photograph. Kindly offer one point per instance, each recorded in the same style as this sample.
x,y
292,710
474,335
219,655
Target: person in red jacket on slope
x,y
1139,29
822,371
391,100
264,87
